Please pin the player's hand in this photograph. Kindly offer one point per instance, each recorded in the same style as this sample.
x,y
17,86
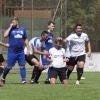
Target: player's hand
x,y
7,45
11,25
45,53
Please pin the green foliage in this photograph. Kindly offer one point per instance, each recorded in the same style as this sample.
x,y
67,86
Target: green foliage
x,y
82,11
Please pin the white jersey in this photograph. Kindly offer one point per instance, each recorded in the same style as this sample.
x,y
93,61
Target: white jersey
x,y
76,44
57,57
35,42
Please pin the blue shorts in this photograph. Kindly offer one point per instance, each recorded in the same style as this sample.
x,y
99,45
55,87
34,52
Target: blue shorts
x,y
13,58
44,60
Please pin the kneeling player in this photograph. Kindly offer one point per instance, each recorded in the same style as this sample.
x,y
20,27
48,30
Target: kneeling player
x,y
57,56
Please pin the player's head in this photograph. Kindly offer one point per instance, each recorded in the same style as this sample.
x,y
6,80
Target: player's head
x,y
78,29
15,21
51,26
44,36
58,42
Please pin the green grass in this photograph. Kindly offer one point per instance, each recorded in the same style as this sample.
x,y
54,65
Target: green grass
x,y
88,90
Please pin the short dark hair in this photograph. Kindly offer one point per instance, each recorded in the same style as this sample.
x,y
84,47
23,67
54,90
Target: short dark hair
x,y
76,26
49,22
44,32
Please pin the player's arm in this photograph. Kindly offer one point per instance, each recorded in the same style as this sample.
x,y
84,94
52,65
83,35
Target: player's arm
x,y
89,48
6,33
44,52
27,46
4,44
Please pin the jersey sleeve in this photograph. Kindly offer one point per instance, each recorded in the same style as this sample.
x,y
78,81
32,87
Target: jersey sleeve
x,y
87,38
36,43
69,38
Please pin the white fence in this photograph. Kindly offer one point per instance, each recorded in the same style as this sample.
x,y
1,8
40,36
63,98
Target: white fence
x,y
93,63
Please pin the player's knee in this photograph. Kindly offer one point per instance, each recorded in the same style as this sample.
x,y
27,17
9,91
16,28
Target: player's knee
x,y
80,64
65,81
52,81
35,62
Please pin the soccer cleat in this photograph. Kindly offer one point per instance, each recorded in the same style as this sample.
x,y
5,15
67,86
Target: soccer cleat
x,y
24,82
77,82
34,82
83,78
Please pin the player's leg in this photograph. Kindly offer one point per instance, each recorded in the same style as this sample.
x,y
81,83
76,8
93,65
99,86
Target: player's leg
x,y
1,71
49,73
10,63
22,62
38,74
33,61
80,67
69,71
62,75
54,74
1,64
70,66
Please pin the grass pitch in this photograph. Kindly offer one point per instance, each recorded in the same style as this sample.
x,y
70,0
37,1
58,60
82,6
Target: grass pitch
x,y
88,90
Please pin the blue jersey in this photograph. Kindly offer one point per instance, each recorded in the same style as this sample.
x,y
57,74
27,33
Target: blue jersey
x,y
16,40
49,42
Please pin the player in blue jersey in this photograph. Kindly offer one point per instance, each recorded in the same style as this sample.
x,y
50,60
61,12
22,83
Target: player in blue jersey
x,y
17,39
48,44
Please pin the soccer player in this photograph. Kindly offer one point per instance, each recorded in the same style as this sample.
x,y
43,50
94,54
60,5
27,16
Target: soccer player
x,y
49,44
76,45
36,44
58,62
17,39
2,59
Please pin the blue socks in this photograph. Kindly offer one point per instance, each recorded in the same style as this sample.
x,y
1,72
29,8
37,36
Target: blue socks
x,y
23,73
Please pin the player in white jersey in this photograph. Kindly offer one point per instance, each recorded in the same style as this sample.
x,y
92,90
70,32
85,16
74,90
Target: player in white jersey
x,y
35,45
58,64
76,51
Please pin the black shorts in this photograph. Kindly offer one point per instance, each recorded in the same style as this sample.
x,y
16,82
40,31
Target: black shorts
x,y
73,60
29,59
1,58
61,72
